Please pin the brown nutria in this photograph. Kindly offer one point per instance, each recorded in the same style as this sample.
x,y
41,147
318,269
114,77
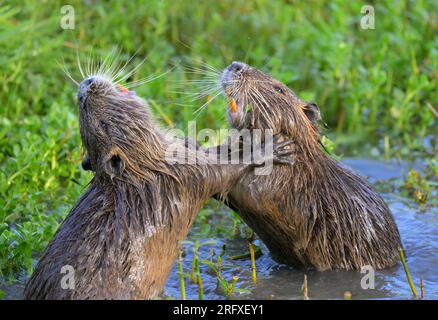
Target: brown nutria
x,y
121,237
316,213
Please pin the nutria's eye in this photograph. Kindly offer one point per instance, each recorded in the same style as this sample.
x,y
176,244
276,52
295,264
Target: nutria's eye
x,y
278,89
104,125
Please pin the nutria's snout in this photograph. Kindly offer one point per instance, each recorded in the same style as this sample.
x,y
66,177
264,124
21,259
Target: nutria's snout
x,y
99,85
231,83
83,89
87,82
236,66
94,85
232,73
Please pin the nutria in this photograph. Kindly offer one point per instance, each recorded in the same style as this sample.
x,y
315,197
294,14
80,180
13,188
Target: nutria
x,y
316,213
121,237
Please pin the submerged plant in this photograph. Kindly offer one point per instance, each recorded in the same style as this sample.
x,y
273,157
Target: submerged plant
x,y
421,286
305,288
408,275
196,272
181,276
219,262
199,281
252,255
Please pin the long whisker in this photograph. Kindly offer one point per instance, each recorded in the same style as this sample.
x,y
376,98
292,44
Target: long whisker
x,y
209,66
115,68
202,71
79,65
131,72
204,68
67,73
87,65
93,65
195,80
263,104
204,89
148,79
122,69
109,63
210,100
173,103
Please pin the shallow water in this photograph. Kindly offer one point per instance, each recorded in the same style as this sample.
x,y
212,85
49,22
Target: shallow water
x,y
419,232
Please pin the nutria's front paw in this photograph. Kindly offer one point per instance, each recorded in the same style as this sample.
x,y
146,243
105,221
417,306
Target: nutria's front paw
x,y
283,152
277,152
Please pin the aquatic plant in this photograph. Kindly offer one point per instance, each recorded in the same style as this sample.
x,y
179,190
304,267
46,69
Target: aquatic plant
x,y
181,276
305,288
408,275
253,258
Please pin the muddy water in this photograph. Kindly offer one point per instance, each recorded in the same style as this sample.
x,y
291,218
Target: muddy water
x,y
419,232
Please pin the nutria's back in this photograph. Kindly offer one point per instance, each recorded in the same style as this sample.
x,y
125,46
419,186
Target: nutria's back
x,y
317,213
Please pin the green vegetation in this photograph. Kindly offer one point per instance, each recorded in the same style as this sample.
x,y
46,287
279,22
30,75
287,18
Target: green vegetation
x,y
373,86
422,187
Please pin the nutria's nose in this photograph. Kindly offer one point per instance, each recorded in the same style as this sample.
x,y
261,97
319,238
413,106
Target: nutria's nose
x,y
236,66
83,89
87,82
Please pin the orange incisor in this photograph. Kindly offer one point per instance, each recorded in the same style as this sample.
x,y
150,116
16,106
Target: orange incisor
x,y
233,105
122,88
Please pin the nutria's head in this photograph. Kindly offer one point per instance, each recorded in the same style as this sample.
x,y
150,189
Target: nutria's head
x,y
258,101
117,130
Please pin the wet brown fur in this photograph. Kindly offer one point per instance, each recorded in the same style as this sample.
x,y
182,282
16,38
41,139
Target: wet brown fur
x,y
121,237
314,214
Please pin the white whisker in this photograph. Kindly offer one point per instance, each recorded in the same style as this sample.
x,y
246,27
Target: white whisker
x,y
109,63
79,64
131,72
122,69
67,73
148,79
210,100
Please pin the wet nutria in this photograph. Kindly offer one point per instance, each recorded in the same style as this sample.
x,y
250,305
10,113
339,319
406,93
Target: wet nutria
x,y
316,213
121,237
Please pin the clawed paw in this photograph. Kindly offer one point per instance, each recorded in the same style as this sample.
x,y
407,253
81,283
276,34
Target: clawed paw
x,y
283,151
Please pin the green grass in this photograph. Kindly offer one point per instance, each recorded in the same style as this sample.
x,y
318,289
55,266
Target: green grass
x,y
372,86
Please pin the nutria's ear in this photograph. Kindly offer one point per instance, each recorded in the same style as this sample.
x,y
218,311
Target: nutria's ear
x,y
312,112
114,163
